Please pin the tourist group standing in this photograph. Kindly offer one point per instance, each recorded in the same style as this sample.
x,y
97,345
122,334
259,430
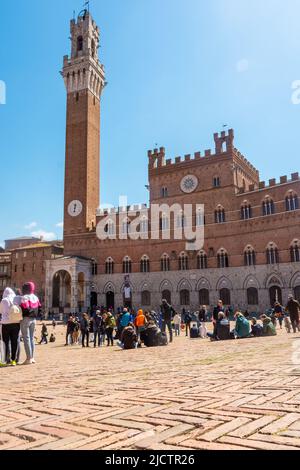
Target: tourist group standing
x,y
19,313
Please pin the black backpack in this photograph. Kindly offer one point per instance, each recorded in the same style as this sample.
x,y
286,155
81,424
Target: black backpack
x,y
194,332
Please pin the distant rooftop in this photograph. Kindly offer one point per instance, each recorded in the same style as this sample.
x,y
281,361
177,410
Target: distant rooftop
x,y
29,242
38,245
22,238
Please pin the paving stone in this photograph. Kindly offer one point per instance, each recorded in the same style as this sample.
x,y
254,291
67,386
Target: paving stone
x,y
197,396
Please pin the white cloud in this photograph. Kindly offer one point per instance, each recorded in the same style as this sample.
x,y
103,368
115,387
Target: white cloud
x,y
60,225
46,236
30,226
242,65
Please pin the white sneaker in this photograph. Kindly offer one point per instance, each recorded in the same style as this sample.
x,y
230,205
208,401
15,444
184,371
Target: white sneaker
x,y
33,361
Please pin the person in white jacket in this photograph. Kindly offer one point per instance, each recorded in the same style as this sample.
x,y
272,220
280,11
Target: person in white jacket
x,y
177,324
10,325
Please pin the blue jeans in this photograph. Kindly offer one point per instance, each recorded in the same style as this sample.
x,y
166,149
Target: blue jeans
x,y
27,330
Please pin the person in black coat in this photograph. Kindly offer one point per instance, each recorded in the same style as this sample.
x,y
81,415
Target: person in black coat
x,y
293,308
97,328
150,336
167,315
85,330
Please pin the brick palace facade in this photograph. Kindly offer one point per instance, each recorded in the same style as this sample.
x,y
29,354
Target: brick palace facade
x,y
251,252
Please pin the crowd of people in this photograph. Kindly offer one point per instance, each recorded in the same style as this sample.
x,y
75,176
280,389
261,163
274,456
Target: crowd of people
x,y
125,329
129,330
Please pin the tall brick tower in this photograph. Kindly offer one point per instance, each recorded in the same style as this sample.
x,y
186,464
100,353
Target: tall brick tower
x,y
84,79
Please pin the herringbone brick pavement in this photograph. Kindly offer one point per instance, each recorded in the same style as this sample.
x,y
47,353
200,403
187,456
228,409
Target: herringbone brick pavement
x,y
192,394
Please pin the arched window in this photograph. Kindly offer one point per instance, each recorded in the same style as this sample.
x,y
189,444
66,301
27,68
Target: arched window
x,y
246,211
292,202
220,215
272,254
166,295
203,297
202,260
183,262
223,261
127,265
184,298
249,256
225,296
79,43
145,264
216,182
252,296
146,298
268,206
295,252
164,192
165,263
109,266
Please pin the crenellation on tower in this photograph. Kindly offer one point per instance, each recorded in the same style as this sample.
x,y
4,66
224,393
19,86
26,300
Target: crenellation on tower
x,y
224,142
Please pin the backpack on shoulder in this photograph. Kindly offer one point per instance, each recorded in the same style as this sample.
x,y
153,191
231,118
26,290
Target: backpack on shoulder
x,y
15,314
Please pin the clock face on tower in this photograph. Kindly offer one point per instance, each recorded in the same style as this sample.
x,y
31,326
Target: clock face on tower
x,y
189,184
75,208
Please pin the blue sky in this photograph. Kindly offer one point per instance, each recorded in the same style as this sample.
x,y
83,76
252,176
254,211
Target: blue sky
x,y
177,70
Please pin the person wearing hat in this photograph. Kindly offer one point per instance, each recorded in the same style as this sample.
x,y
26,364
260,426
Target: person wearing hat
x,y
293,308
